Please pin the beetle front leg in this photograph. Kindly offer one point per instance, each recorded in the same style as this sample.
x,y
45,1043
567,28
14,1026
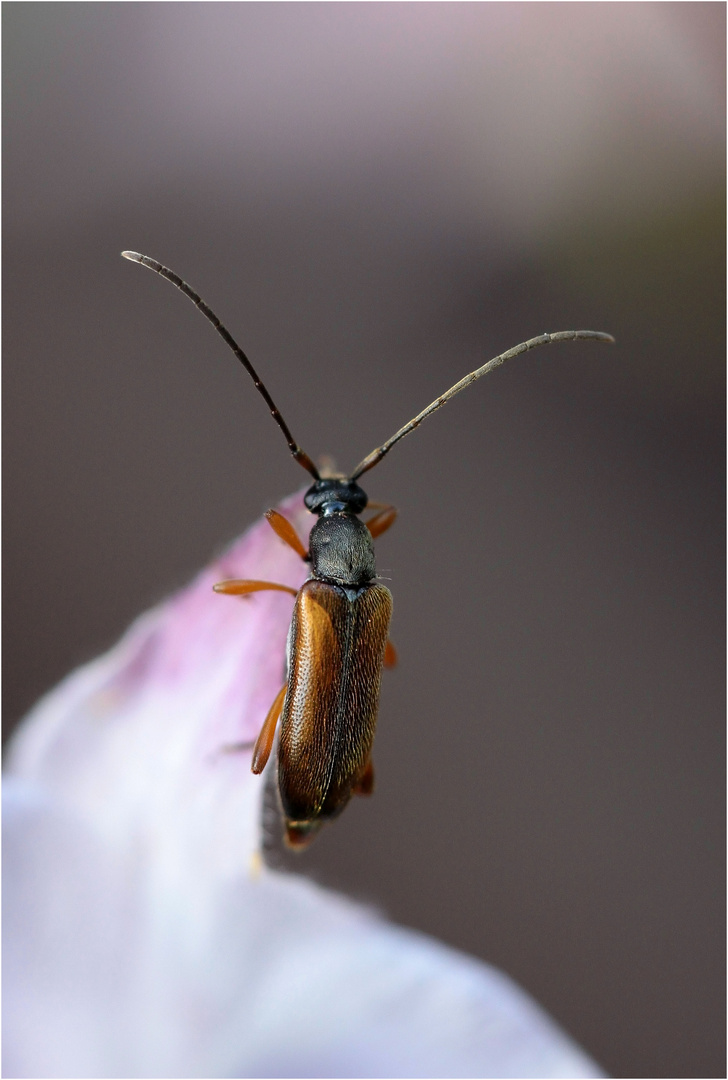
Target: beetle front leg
x,y
381,521
283,528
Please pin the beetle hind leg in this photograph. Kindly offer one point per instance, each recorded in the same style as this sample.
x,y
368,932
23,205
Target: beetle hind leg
x,y
365,783
264,742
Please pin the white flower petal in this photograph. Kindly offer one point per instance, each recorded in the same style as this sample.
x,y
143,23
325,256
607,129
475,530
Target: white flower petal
x,y
141,941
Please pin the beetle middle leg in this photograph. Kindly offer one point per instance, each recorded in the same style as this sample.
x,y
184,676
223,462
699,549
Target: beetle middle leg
x,y
241,586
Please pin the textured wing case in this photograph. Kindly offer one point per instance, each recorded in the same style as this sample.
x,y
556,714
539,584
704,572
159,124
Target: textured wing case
x,y
329,715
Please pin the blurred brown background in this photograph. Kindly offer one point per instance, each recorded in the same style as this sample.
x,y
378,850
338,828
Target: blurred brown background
x,y
376,199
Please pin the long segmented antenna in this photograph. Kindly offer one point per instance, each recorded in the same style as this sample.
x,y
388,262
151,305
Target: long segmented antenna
x,y
544,339
301,457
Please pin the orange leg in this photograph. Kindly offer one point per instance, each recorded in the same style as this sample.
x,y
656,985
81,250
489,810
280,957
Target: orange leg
x,y
285,530
241,587
264,742
390,655
381,521
365,783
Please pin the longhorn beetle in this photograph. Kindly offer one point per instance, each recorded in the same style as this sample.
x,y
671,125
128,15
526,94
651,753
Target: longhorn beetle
x,y
338,639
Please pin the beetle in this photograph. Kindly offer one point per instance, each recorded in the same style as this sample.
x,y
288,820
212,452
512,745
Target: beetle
x,y
338,638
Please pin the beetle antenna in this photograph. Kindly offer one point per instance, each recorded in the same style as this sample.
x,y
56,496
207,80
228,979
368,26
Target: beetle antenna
x,y
544,339
301,457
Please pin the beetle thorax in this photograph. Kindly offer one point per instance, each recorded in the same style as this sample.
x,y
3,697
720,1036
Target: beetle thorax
x,y
341,549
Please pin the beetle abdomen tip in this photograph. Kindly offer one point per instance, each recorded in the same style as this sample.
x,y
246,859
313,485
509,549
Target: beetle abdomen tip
x,y
299,834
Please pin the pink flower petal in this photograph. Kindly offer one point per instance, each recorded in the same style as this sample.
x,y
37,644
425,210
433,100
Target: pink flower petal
x,y
153,717
142,939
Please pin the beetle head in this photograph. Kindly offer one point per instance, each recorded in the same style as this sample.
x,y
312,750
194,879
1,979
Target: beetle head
x,y
335,495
